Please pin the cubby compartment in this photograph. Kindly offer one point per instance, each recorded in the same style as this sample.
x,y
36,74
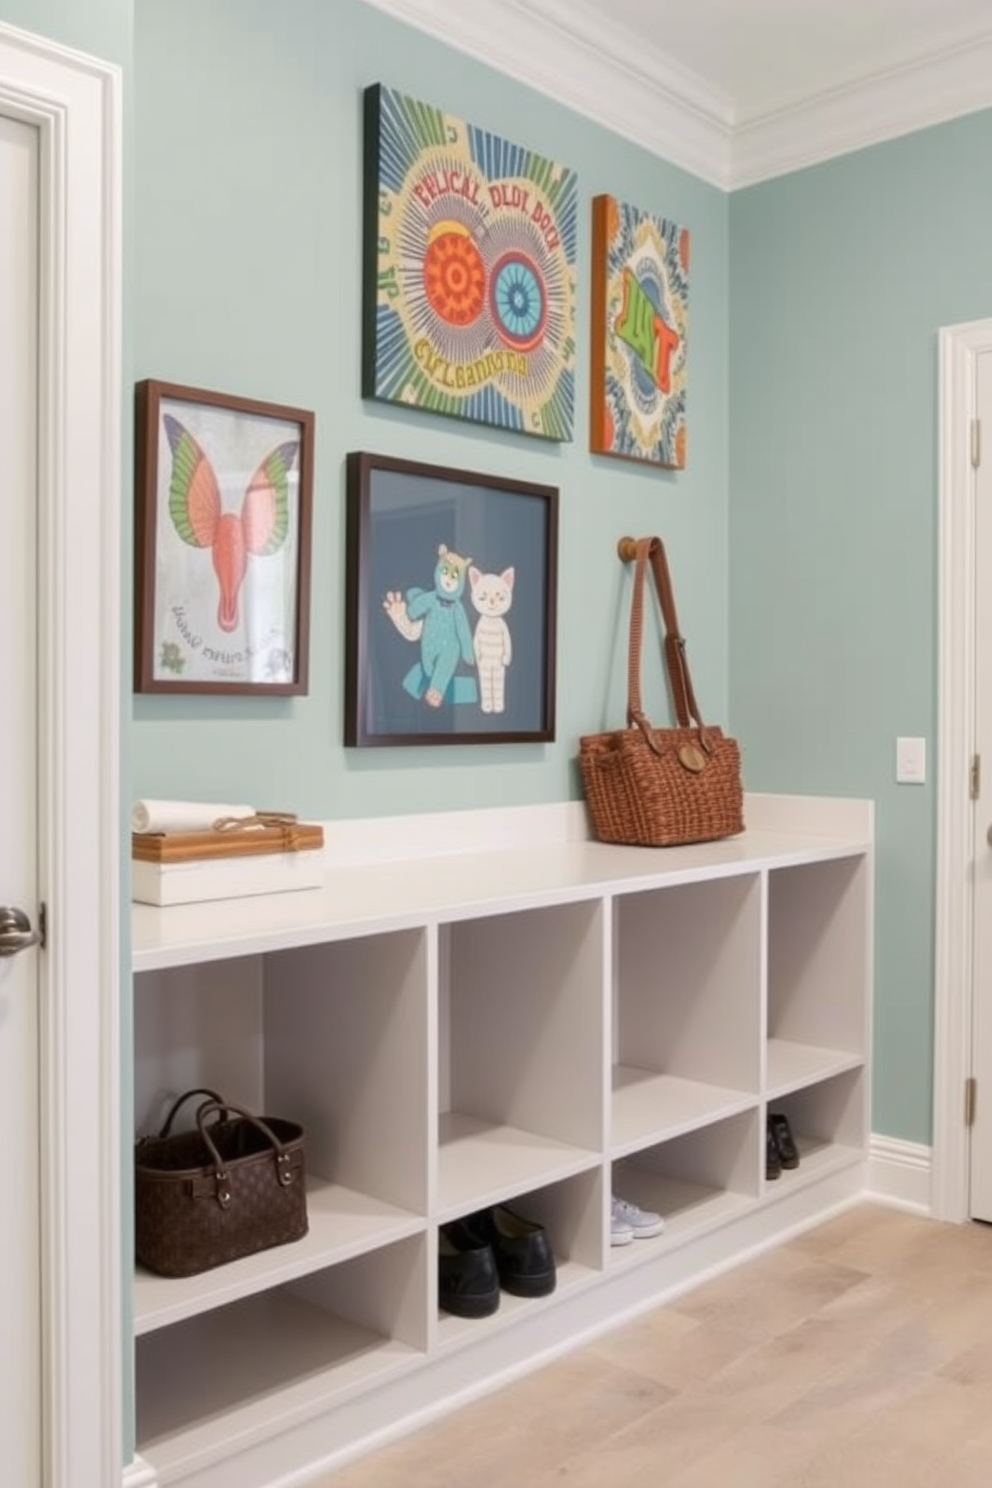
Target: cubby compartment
x,y
332,1036
346,1052
293,1351
687,994
829,1125
197,1026
818,971
696,1182
521,1091
571,1213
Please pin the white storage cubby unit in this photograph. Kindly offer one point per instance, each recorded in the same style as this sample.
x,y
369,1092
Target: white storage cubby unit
x,y
524,1017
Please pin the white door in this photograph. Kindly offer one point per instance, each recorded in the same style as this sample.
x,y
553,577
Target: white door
x,y
981,1132
20,1246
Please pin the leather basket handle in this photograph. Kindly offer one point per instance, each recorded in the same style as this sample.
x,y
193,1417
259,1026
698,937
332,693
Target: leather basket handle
x,y
212,1099
283,1159
644,551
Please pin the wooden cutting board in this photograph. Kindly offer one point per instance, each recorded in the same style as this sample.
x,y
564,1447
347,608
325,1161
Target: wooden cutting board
x,y
191,847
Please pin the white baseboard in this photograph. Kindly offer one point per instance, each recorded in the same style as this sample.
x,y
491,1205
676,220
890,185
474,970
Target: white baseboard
x,y
899,1174
139,1474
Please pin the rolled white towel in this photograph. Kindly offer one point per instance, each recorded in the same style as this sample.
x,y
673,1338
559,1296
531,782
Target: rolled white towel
x,y
182,816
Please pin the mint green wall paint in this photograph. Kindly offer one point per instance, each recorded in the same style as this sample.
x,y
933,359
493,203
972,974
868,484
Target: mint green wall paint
x,y
840,279
247,278
100,27
242,271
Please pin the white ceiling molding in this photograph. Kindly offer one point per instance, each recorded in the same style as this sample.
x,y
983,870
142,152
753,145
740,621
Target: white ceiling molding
x,y
635,91
674,117
882,107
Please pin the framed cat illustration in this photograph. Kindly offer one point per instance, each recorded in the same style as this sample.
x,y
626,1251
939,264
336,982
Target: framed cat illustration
x,y
450,594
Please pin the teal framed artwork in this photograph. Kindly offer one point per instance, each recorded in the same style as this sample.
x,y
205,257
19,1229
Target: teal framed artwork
x,y
469,271
639,318
450,604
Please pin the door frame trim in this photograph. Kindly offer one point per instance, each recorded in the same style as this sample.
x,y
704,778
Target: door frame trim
x,y
959,348
74,101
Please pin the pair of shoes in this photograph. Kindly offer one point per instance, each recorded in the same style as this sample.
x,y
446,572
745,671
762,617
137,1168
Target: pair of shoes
x,y
773,1162
468,1283
525,1262
493,1249
629,1222
780,1148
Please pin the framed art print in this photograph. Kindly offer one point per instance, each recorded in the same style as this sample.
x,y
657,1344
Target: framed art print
x,y
450,599
640,306
469,273
222,542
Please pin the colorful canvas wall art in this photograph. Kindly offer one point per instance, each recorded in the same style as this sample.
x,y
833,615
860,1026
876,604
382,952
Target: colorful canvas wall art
x,y
640,305
469,289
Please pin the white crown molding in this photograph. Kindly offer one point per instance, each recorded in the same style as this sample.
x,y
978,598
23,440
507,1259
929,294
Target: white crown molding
x,y
564,52
673,116
877,108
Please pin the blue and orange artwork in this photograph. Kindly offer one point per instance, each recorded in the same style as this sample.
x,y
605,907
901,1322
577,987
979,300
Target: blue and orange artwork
x,y
640,309
470,248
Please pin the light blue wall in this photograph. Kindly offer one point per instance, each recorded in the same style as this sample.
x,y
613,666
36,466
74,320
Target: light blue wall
x,y
840,279
100,27
248,272
806,577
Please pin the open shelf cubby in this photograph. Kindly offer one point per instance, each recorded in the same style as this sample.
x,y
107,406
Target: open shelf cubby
x,y
518,1021
695,1182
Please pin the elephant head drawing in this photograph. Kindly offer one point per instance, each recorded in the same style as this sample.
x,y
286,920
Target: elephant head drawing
x,y
256,530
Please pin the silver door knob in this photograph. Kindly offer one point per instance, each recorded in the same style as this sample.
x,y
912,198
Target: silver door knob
x,y
16,933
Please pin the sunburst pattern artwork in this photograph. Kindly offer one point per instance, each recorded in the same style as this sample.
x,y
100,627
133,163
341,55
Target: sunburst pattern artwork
x,y
469,294
640,308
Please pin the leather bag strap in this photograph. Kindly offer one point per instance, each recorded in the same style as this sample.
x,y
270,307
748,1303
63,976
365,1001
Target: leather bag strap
x,y
651,550
212,1099
220,1185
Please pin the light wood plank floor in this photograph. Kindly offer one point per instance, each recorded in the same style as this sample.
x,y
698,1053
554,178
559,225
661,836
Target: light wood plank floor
x,y
856,1356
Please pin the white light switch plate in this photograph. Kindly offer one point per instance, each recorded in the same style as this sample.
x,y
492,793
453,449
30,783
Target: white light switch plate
x,y
911,761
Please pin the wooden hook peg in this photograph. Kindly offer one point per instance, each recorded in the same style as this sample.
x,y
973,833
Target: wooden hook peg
x,y
627,549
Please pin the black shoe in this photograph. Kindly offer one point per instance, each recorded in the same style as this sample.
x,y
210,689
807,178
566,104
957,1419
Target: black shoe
x,y
524,1258
788,1152
468,1283
773,1162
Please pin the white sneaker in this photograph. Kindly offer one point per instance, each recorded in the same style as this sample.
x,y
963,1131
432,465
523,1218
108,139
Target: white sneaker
x,y
621,1233
642,1223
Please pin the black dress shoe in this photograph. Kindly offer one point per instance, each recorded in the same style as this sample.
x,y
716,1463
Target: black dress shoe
x,y
468,1283
788,1152
524,1258
773,1163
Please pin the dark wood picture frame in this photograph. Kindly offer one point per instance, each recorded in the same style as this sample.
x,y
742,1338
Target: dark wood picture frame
x,y
451,600
222,531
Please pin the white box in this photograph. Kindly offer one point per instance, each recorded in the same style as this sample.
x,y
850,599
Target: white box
x,y
225,878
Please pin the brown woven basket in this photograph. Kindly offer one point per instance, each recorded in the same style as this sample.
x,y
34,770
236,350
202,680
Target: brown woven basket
x,y
646,799
233,1186
661,787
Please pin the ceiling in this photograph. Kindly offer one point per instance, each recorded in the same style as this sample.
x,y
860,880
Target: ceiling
x,y
757,56
735,90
